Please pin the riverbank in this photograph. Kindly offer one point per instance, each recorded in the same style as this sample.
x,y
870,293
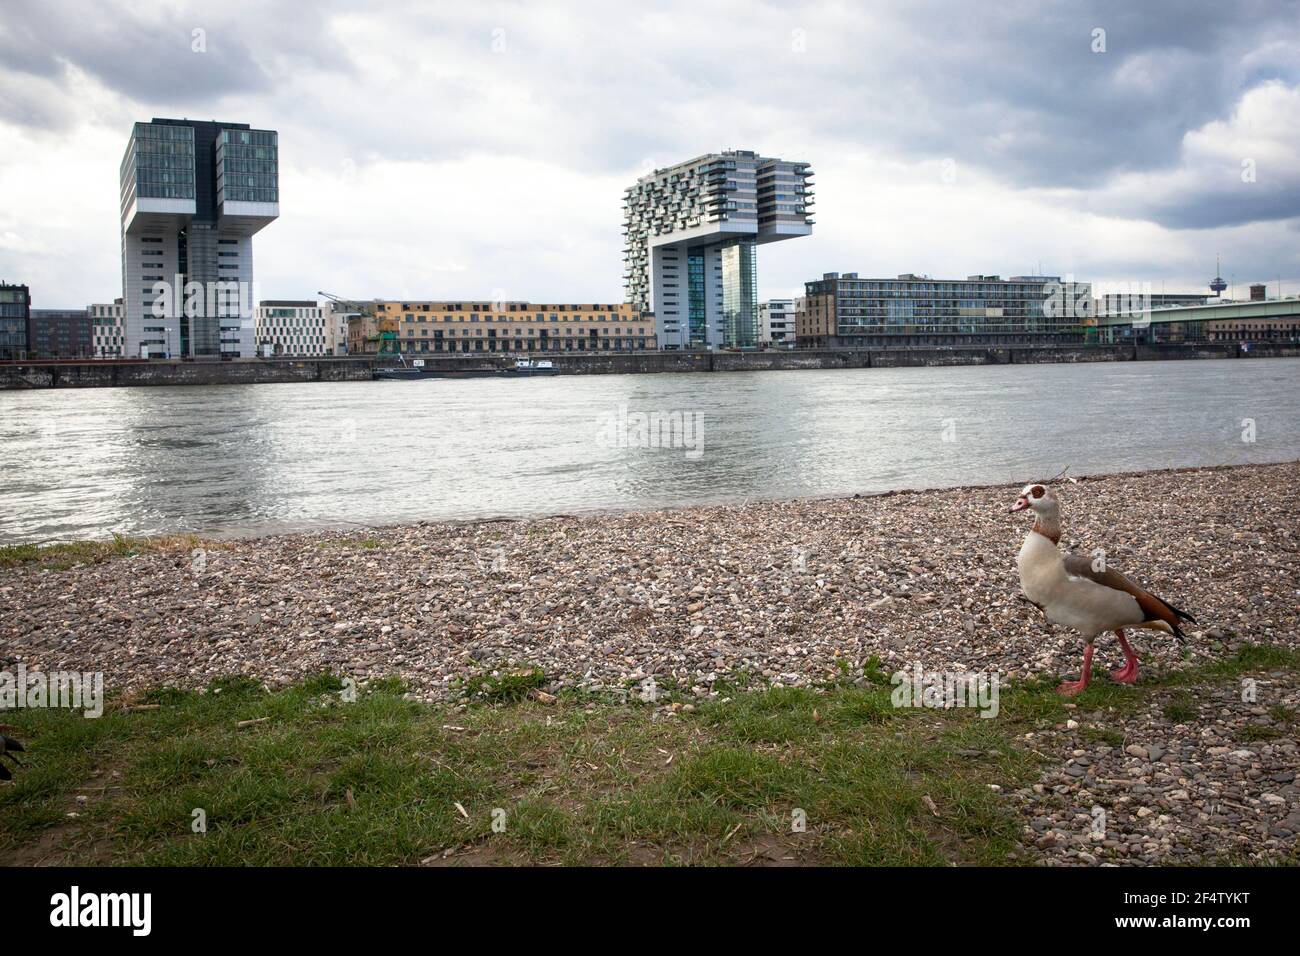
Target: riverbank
x,y
129,373
768,630
788,592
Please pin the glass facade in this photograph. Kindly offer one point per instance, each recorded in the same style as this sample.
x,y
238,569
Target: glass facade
x,y
159,163
15,307
739,295
918,310
696,306
248,166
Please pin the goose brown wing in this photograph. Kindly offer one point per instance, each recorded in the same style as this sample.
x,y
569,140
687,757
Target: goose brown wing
x,y
1156,609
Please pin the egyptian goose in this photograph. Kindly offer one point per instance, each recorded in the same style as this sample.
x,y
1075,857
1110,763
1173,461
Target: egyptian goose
x,y
1071,591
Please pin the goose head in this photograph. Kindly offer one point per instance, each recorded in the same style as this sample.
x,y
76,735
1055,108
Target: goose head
x,y
1038,499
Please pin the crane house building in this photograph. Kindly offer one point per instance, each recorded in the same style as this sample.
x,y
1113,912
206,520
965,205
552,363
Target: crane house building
x,y
509,327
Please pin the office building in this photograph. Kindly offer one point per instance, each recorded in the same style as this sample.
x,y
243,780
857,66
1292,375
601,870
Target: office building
x,y
292,327
473,327
193,194
107,338
776,320
913,310
691,233
15,313
60,334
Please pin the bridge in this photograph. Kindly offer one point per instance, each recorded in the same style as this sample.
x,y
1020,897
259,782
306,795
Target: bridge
x,y
1275,320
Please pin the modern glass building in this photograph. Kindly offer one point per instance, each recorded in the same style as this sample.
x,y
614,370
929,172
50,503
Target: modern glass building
x,y
192,196
912,310
691,233
15,314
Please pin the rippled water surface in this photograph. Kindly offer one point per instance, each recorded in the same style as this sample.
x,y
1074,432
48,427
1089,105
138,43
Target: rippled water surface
x,y
262,458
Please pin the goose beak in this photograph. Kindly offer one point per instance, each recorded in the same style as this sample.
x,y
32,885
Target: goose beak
x,y
1021,504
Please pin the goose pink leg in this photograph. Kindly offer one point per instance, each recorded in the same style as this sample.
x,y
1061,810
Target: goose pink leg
x,y
1071,687
1128,674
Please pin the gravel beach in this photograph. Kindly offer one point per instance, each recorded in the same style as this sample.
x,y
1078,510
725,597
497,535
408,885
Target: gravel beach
x,y
793,593
782,591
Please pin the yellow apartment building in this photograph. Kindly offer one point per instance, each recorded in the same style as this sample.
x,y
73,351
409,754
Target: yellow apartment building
x,y
468,327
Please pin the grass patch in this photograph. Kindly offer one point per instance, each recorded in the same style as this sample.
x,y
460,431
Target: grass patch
x,y
1253,732
60,557
774,775
1102,735
511,686
1180,709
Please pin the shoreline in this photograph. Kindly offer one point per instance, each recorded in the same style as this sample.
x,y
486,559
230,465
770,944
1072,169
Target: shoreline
x,y
108,373
327,526
782,590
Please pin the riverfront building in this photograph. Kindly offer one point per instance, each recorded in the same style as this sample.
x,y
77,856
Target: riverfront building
x,y
467,327
912,310
107,338
293,327
193,194
15,312
337,315
691,233
776,322
60,334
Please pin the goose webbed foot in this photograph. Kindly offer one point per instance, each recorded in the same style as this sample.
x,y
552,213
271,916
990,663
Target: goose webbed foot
x,y
1128,674
1072,688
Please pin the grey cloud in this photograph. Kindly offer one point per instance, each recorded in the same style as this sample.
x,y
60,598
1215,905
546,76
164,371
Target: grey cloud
x,y
1236,207
147,53
1012,92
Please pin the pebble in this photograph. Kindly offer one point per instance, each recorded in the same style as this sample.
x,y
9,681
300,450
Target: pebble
x,y
797,593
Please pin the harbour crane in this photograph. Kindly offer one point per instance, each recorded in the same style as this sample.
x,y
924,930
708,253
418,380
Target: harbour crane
x,y
384,341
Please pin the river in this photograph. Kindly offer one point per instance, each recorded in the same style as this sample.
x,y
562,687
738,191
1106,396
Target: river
x,y
255,459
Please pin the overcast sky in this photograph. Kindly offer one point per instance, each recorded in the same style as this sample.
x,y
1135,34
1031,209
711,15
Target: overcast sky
x,y
475,150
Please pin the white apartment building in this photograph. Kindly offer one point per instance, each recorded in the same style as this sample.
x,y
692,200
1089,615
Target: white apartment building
x,y
295,327
107,336
776,323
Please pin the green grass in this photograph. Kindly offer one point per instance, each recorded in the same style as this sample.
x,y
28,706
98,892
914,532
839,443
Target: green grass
x,y
774,775
1180,709
1252,732
513,685
60,557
